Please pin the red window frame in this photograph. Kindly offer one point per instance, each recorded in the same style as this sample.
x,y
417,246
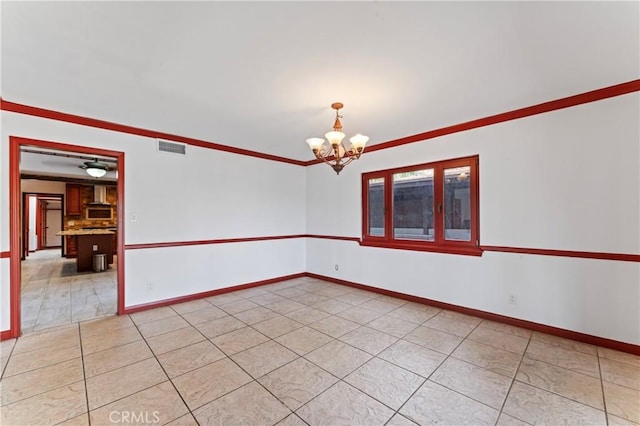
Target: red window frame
x,y
439,244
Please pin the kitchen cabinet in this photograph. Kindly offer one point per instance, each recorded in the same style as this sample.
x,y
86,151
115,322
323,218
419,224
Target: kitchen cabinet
x,y
73,200
72,246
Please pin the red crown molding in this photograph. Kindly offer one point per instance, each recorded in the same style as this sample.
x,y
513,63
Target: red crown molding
x,y
190,297
5,254
542,328
570,101
123,128
333,237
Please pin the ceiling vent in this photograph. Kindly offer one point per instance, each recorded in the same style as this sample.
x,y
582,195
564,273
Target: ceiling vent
x,y
172,147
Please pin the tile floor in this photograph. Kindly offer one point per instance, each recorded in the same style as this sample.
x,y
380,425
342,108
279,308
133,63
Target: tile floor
x,y
54,294
310,352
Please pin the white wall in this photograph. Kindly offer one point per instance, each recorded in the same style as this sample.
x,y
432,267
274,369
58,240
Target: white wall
x,y
565,180
206,195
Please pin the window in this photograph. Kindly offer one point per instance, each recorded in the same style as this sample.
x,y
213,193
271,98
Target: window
x,y
429,207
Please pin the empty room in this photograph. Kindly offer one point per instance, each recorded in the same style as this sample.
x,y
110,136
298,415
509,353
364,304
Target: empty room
x,y
320,213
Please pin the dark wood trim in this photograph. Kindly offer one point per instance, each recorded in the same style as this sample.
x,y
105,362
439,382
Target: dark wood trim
x,y
90,182
206,242
190,297
332,237
5,254
625,257
5,335
123,128
542,328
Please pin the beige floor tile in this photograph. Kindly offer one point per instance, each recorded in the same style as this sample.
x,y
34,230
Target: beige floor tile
x,y
434,339
334,326
307,315
475,382
108,387
624,357
189,358
332,290
249,405
565,358
55,339
291,420
619,421
238,306
223,299
255,315
267,299
161,326
303,340
261,359
379,305
415,358
153,315
369,340
219,326
344,405
297,383
204,315
620,373
435,404
500,340
159,404
415,312
537,406
571,345
201,386
489,357
186,420
26,385
81,420
286,306
567,383
6,346
277,326
309,299
251,292
398,420
194,305
452,325
105,324
109,339
507,420
338,358
114,358
332,306
32,360
393,326
385,382
622,402
355,298
175,339
51,407
239,340
289,292
359,315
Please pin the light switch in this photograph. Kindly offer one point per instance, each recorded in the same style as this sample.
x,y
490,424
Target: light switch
x,y
134,218
95,247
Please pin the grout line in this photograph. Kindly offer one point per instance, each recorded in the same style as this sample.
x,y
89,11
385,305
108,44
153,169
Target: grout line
x,y
604,399
84,375
513,380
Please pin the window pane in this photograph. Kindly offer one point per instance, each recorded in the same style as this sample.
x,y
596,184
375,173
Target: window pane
x,y
413,205
457,204
376,207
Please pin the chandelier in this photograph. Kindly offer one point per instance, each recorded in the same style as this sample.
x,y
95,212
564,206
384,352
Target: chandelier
x,y
336,155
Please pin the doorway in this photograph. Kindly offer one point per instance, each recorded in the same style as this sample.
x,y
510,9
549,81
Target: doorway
x,y
42,268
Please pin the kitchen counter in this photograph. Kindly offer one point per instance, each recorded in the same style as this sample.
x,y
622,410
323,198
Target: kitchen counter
x,y
86,232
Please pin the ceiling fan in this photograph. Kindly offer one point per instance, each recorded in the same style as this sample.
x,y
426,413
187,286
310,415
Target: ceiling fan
x,y
96,169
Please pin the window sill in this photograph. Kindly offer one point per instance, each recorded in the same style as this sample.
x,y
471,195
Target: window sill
x,y
461,250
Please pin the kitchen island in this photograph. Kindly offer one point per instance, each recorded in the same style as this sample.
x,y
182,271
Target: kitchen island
x,y
90,242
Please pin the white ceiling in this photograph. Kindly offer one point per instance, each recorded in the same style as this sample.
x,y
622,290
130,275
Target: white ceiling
x,y
262,75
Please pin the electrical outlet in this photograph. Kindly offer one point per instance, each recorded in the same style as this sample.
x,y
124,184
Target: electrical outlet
x,y
337,267
513,299
149,286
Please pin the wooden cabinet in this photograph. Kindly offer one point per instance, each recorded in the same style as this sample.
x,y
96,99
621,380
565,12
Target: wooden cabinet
x,y
72,246
73,200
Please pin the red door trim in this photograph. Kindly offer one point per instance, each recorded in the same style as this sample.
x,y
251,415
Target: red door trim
x,y
14,219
